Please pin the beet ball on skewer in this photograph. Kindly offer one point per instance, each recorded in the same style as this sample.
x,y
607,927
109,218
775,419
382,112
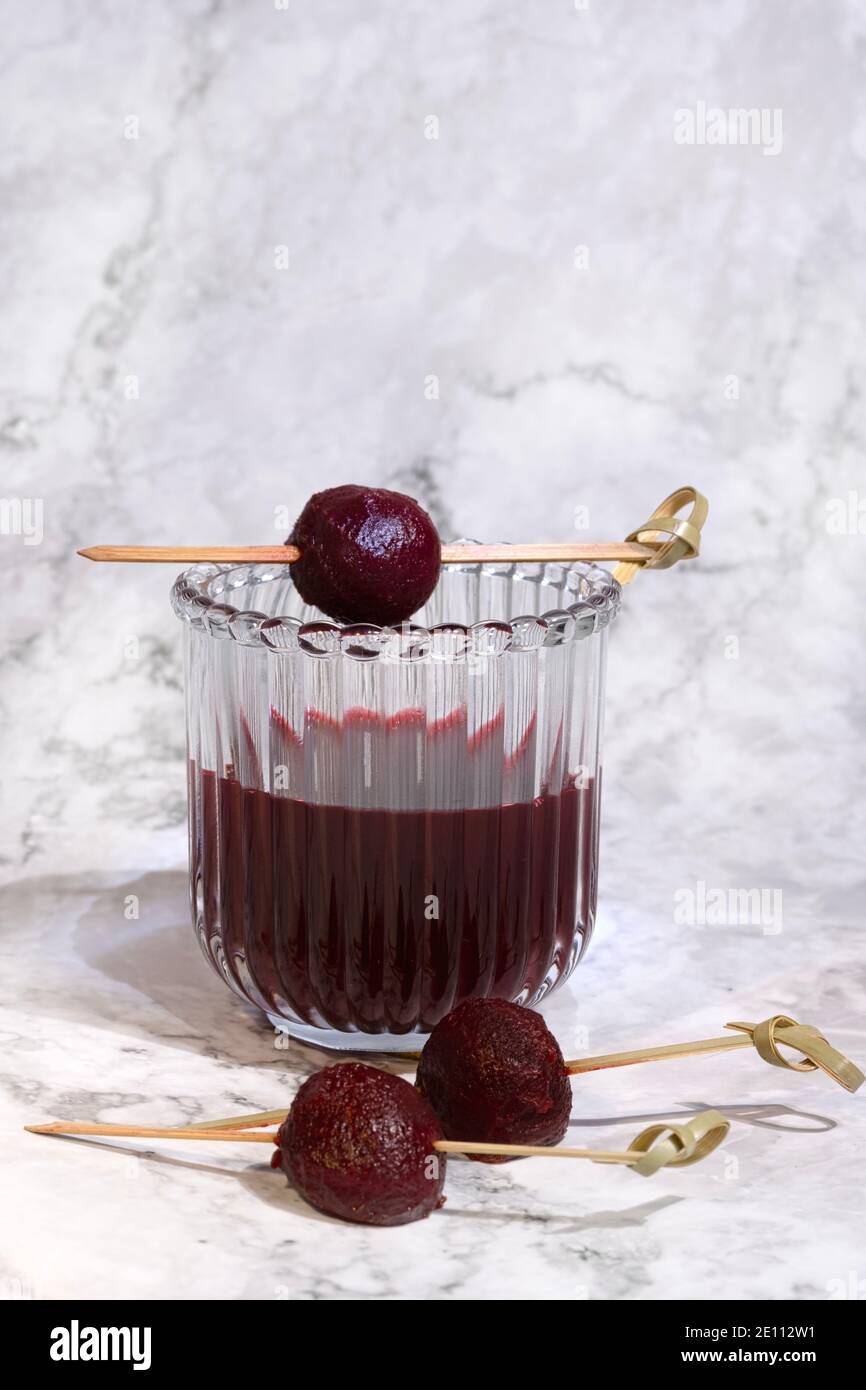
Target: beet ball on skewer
x,y
368,555
358,1144
493,1071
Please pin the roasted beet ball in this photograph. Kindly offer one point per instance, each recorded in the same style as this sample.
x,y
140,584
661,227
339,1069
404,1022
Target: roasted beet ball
x,y
367,555
358,1144
493,1071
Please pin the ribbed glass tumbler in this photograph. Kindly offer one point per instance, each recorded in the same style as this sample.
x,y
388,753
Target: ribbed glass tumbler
x,y
386,821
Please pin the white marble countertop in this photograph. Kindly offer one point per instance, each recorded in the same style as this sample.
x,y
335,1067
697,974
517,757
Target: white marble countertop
x,y
552,306
123,1022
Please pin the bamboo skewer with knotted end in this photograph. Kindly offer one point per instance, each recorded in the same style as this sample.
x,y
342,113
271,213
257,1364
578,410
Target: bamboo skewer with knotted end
x,y
659,1146
670,536
539,552
659,543
765,1037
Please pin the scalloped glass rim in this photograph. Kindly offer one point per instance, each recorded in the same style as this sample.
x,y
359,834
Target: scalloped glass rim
x,y
198,597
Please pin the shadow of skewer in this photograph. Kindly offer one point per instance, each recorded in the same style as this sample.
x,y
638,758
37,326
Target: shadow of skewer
x,y
759,1116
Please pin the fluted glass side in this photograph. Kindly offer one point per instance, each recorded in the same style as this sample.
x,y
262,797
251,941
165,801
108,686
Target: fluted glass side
x,y
383,822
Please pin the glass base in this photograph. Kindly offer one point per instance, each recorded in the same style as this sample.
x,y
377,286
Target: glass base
x,y
332,1040
408,1044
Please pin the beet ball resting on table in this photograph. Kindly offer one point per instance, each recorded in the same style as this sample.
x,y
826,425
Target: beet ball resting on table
x,y
493,1071
367,555
358,1144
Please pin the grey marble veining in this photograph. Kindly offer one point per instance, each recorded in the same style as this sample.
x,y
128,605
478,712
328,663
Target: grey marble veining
x,y
550,306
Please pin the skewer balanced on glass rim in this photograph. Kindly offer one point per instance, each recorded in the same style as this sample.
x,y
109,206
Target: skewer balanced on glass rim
x,y
663,540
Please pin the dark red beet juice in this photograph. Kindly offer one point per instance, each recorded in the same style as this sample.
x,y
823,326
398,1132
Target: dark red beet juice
x,y
380,921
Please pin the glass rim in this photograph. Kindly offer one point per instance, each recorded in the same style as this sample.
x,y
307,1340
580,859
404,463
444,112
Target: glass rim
x,y
199,597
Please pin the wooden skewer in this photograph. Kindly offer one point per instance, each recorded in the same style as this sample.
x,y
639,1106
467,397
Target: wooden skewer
x,y
529,553
235,1129
658,544
148,1132
257,1121
687,1143
654,1054
243,1134
765,1037
457,1146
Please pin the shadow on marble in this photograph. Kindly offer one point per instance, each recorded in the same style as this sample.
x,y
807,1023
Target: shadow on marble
x,y
79,959
258,1178
758,1116
165,963
271,1188
566,1222
148,976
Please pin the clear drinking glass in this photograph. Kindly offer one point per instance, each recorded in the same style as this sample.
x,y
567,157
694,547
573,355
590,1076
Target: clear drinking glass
x,y
386,821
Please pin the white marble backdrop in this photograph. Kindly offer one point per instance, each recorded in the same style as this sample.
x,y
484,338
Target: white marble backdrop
x,y
251,249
